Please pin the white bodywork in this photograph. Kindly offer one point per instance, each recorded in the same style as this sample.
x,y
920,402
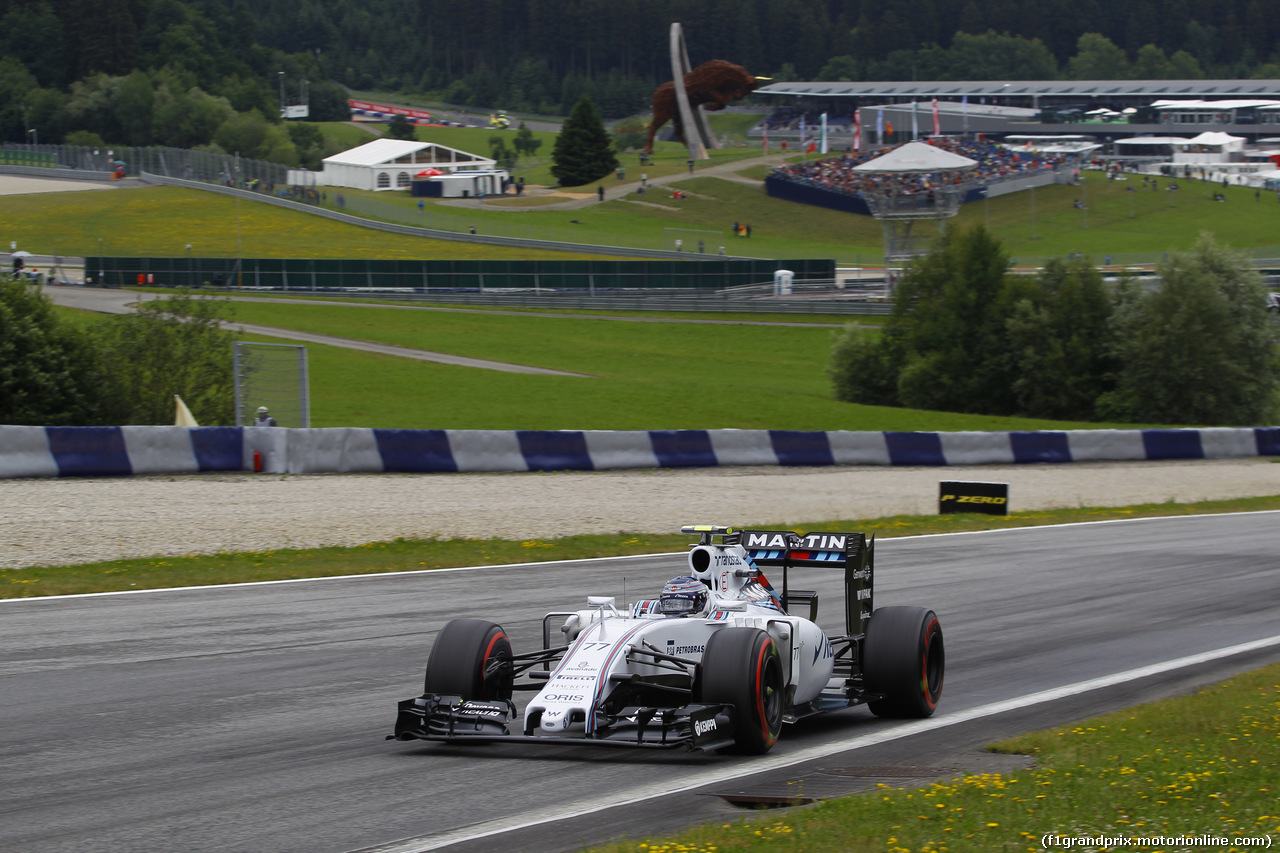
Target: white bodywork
x,y
601,638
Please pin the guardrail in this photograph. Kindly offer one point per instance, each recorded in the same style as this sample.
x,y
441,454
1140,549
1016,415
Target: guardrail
x,y
36,451
664,302
415,231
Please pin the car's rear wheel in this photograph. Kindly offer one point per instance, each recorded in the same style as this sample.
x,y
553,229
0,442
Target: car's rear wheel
x,y
904,659
741,667
471,658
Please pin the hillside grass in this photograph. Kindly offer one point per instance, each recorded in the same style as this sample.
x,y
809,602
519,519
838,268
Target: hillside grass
x,y
650,375
161,221
347,134
1117,223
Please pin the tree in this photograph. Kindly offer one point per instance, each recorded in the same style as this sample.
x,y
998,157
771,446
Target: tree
x,y
524,142
1198,348
133,105
328,102
504,157
951,309
944,346
864,368
48,373
36,34
188,119
170,346
993,56
1098,58
966,337
400,128
1059,340
583,151
839,68
1183,66
252,136
1151,64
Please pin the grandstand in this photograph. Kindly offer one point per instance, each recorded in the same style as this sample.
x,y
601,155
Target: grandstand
x,y
841,183
1132,107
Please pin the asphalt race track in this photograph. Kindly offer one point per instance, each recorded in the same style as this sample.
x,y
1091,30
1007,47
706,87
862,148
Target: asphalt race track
x,y
252,718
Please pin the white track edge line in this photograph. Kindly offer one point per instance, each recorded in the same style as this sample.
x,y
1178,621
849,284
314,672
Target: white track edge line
x,y
424,844
373,575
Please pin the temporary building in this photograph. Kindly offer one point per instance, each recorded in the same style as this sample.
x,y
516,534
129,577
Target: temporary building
x,y
391,164
464,183
1210,147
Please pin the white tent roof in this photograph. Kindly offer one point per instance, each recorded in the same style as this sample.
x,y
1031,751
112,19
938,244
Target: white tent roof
x,y
1214,105
382,152
1153,140
1210,137
917,157
377,152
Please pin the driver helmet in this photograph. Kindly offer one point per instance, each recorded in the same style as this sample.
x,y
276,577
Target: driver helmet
x,y
682,596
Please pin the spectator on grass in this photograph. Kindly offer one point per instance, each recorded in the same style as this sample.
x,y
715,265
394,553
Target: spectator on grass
x,y
264,418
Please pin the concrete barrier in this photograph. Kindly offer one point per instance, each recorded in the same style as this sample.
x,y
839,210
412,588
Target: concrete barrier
x,y
32,451
24,452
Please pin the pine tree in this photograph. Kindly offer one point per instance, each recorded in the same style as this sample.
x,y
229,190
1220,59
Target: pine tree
x,y
583,152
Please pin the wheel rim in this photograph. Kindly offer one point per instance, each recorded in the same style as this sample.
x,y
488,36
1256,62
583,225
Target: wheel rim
x,y
933,663
495,684
770,692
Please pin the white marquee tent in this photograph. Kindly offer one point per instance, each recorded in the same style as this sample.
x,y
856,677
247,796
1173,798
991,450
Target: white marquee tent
x,y
390,164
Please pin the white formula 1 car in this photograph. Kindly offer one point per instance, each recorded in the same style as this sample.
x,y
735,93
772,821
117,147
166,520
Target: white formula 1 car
x,y
720,659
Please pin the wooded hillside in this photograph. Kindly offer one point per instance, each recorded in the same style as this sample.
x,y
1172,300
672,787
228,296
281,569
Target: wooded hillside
x,y
172,72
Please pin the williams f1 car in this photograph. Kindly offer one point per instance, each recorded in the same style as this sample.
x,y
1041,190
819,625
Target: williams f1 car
x,y
720,659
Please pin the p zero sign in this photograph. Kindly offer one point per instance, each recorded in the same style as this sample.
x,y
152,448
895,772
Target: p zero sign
x,y
989,498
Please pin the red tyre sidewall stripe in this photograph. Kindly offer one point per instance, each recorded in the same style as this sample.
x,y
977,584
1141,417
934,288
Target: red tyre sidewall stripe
x,y
929,631
484,661
769,737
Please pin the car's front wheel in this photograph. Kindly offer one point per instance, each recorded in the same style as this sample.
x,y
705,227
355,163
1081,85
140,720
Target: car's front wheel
x,y
471,658
742,667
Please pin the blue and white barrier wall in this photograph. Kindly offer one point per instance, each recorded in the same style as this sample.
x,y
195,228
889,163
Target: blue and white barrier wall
x,y
31,451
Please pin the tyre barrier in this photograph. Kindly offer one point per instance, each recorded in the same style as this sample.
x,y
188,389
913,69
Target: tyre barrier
x,y
34,451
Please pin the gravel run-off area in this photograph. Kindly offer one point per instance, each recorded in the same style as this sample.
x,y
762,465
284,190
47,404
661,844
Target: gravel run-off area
x,y
66,521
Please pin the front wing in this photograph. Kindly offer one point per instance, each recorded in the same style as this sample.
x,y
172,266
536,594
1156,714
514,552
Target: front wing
x,y
435,717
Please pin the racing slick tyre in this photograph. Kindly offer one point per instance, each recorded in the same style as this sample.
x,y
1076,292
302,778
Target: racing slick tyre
x,y
742,667
471,658
904,659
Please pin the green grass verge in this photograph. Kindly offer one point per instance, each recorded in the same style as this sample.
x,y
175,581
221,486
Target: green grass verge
x,y
640,375
161,221
603,313
1199,765
1118,221
347,134
403,555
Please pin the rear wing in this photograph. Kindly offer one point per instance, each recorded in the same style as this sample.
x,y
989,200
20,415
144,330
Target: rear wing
x,y
853,552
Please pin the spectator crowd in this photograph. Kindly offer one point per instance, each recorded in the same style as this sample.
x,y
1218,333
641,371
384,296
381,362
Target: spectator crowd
x,y
995,162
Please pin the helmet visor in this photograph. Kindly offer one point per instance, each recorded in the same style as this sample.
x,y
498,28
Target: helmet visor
x,y
678,605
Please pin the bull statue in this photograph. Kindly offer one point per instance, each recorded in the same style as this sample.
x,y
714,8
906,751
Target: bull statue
x,y
713,85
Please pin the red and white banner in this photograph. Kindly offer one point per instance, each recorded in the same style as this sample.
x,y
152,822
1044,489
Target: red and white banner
x,y
384,109
857,130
